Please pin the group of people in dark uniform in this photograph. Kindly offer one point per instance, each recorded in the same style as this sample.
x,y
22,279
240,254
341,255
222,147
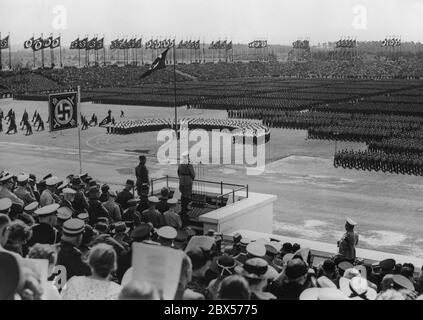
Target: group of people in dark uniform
x,y
25,123
379,161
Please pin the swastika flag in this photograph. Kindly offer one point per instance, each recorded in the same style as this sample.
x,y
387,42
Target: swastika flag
x,y
63,111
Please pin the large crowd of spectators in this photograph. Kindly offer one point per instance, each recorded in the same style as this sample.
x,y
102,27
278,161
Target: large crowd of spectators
x,y
42,80
88,231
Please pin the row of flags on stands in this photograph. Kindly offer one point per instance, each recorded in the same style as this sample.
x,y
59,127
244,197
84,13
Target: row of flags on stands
x,y
189,44
391,42
126,44
258,44
221,45
346,43
159,44
301,44
41,43
85,44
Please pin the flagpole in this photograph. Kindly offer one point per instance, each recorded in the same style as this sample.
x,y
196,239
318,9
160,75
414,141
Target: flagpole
x,y
60,50
42,52
174,87
1,64
51,52
104,49
33,51
79,128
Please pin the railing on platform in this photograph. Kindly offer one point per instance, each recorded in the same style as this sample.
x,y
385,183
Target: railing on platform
x,y
219,198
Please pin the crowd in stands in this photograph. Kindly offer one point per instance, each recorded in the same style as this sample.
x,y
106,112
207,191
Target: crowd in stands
x,y
89,231
45,80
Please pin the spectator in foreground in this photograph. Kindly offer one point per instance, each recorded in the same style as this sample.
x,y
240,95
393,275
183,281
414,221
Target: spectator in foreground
x,y
102,261
258,273
70,255
292,281
136,290
234,287
48,252
19,234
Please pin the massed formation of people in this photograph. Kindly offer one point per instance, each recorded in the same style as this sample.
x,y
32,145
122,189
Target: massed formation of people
x,y
245,131
380,161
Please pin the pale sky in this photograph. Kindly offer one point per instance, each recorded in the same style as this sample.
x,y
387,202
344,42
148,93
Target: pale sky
x,y
278,21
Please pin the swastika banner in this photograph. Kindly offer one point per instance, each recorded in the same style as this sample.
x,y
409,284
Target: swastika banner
x,y
63,111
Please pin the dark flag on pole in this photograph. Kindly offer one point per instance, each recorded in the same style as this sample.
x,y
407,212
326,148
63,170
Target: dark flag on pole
x,y
74,44
56,43
4,43
63,113
159,63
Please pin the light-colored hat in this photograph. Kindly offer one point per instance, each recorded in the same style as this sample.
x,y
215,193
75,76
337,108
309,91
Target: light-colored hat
x,y
167,232
112,193
23,177
357,288
68,191
6,177
244,241
351,273
351,222
73,227
153,199
83,216
172,201
256,268
5,204
52,181
323,294
64,213
47,210
256,249
31,207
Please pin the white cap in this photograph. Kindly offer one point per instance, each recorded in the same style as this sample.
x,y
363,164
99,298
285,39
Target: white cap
x,y
5,204
172,201
153,199
23,177
68,191
52,181
47,210
6,177
351,222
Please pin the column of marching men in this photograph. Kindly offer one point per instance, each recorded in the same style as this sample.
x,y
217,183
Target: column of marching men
x,y
27,123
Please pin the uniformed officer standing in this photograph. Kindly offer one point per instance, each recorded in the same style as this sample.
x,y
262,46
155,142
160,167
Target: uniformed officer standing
x,y
348,241
45,232
48,196
141,173
69,254
23,192
68,199
186,176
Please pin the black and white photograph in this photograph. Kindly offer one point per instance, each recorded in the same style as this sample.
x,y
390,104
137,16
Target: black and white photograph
x,y
227,151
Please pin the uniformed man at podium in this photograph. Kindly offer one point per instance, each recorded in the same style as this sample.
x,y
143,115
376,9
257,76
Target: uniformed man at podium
x,y
186,176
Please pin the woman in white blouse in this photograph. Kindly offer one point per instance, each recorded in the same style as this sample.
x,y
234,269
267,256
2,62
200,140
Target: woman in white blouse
x,y
102,260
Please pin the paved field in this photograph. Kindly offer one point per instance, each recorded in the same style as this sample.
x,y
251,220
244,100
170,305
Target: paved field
x,y
313,197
